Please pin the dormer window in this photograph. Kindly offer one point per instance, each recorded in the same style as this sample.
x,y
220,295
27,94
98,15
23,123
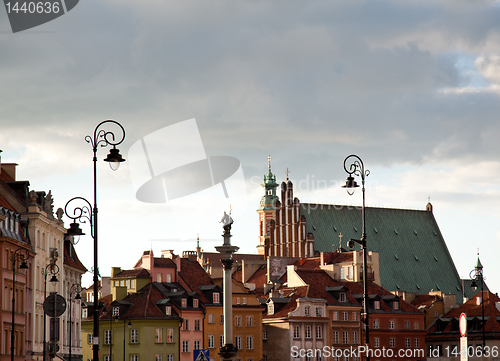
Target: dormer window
x,y
184,302
395,305
195,303
116,311
319,312
216,297
307,311
376,305
168,310
342,297
270,308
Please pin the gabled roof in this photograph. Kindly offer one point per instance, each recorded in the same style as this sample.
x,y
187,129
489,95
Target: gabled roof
x,y
193,276
412,252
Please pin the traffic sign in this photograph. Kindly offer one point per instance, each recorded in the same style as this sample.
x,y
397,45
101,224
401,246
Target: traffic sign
x,y
54,305
463,324
201,355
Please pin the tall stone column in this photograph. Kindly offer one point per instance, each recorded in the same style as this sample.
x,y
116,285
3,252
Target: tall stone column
x,y
228,351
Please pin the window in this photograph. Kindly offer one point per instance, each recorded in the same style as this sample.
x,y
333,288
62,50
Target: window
x,y
122,283
416,343
107,358
237,321
416,325
107,337
345,336
335,336
134,357
264,335
84,313
132,283
395,305
216,297
335,316
345,316
211,318
376,305
249,342
197,325
170,335
197,345
349,273
221,337
391,325
354,316
296,332
237,340
407,342
221,319
184,302
186,324
342,297
319,311
249,321
196,303
185,346
270,308
159,277
168,310
435,313
170,357
211,341
134,335
375,324
307,311
90,338
158,357
244,300
116,311
319,332
169,278
392,342
376,342
308,331
407,325
238,300
355,337
342,273
159,335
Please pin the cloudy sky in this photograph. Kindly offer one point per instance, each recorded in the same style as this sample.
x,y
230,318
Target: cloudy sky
x,y
412,87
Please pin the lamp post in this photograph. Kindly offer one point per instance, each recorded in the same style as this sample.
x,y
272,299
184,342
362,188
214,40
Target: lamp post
x,y
15,257
229,350
358,168
75,288
477,276
101,138
53,269
129,326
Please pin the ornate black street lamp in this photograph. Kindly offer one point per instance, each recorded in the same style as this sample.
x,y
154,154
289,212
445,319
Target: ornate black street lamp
x,y
101,138
53,269
75,288
16,257
358,168
477,276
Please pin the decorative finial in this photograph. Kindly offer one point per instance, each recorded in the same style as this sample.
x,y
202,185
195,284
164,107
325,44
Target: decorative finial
x,y
287,172
269,160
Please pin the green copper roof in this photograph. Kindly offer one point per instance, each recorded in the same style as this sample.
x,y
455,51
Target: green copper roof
x,y
413,255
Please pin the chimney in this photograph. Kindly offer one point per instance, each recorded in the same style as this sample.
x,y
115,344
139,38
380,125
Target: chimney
x,y
10,169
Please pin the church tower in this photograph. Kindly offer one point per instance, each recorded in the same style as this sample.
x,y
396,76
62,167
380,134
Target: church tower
x,y
266,210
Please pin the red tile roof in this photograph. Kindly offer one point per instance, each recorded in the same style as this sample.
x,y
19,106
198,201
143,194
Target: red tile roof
x,y
425,300
72,260
137,273
193,276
